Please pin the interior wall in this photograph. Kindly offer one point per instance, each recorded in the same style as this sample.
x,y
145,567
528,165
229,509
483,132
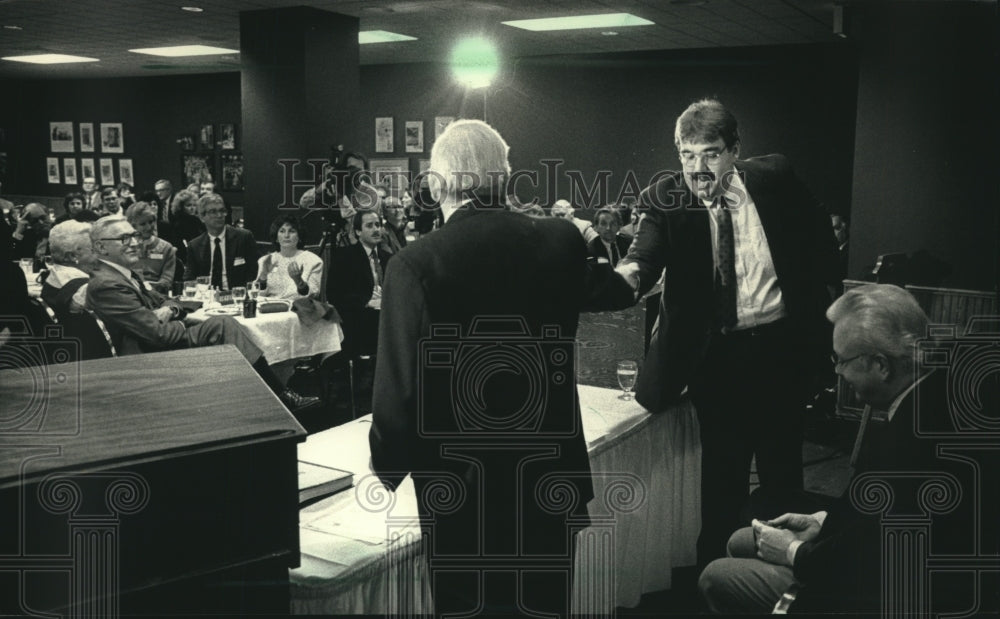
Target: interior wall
x,y
925,157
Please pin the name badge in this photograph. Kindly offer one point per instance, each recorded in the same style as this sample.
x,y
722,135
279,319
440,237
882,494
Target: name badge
x,y
156,256
239,261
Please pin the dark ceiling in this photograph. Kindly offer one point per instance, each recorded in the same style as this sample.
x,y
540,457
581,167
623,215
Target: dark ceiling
x,y
107,29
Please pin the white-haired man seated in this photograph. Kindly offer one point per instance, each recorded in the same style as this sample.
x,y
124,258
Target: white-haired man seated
x,y
831,552
564,210
140,320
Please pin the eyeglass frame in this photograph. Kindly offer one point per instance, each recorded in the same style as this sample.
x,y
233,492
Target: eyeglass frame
x,y
688,158
124,238
839,363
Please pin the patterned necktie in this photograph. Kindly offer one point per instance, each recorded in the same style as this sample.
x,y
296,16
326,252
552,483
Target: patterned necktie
x,y
377,265
217,264
725,274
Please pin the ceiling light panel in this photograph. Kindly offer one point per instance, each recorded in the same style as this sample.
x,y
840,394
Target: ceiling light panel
x,y
578,22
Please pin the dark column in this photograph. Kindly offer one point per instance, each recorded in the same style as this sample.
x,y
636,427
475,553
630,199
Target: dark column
x,y
299,95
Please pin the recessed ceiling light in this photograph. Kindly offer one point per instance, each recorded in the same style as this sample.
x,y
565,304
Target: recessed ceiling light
x,y
50,58
381,36
192,9
185,50
13,28
610,33
575,22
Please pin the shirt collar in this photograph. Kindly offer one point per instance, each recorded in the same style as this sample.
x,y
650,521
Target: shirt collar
x,y
123,270
220,235
60,274
736,193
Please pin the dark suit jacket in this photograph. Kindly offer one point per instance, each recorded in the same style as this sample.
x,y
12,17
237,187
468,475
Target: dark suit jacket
x,y
350,283
597,249
524,295
128,314
675,233
240,247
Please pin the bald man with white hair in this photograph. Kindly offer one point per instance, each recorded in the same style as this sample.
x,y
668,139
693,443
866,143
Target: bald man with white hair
x,y
564,210
515,281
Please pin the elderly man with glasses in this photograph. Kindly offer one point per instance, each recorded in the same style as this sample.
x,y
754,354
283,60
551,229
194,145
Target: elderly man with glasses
x,y
140,320
226,254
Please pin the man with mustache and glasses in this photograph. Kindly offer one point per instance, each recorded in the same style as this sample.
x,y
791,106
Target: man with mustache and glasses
x,y
748,254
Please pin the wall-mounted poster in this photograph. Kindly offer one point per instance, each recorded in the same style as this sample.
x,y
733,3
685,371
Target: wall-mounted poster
x,y
61,138
393,173
87,169
227,136
232,172
86,137
107,172
206,138
112,138
125,172
69,170
441,123
383,134
52,164
414,136
197,168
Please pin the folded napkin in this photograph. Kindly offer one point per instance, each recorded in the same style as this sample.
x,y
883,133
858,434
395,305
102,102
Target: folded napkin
x,y
271,307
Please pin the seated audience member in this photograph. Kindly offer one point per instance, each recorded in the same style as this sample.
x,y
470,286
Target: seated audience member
x,y
394,232
65,288
140,320
633,222
563,209
206,187
833,551
185,226
91,192
226,254
14,299
126,195
290,272
109,203
74,208
31,232
354,284
609,244
164,199
157,258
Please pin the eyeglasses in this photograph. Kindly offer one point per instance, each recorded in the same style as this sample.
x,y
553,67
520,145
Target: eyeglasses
x,y
125,239
215,211
712,157
839,363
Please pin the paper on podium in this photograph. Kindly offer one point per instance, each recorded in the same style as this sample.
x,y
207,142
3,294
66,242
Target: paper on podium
x,y
366,524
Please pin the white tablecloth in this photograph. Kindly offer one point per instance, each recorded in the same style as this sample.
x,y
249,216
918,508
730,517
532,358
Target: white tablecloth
x,y
349,567
282,336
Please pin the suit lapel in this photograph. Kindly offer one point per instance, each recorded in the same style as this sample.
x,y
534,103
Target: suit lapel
x,y
367,270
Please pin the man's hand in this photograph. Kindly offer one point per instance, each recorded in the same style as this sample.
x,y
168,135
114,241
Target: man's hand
x,y
376,300
772,543
164,314
630,271
804,526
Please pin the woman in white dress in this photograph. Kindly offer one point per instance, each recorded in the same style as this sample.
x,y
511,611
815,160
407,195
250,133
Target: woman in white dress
x,y
290,272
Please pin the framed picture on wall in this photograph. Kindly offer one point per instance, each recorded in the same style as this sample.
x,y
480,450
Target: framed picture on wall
x,y
107,171
206,138
441,123
87,169
383,134
232,172
61,137
112,138
186,142
394,173
125,172
414,136
52,165
197,168
86,137
227,136
69,170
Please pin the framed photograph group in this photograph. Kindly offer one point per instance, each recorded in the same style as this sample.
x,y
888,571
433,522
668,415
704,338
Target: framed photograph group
x,y
87,169
197,168
112,138
125,172
232,172
69,171
414,136
52,165
383,135
86,137
61,138
394,173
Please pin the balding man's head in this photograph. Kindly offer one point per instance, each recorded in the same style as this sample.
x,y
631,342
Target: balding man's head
x,y
470,156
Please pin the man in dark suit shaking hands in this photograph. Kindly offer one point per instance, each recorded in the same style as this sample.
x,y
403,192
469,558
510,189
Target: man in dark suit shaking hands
x,y
226,254
749,255
475,390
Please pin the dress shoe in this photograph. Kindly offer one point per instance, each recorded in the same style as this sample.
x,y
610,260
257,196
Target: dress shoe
x,y
295,401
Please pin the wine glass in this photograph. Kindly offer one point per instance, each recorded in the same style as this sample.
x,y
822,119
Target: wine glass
x,y
239,293
202,287
254,289
627,371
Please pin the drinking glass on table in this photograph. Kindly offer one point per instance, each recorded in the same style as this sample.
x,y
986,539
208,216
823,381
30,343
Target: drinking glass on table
x,y
201,284
239,293
190,288
254,289
627,371
28,266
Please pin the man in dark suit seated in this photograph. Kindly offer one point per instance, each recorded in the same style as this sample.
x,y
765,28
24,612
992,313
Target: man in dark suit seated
x,y
832,551
354,285
226,254
609,244
140,320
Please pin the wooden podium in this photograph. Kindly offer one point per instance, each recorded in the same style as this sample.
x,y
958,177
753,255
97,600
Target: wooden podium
x,y
152,484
